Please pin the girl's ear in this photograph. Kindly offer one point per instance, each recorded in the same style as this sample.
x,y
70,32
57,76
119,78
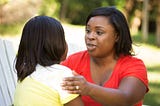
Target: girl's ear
x,y
65,53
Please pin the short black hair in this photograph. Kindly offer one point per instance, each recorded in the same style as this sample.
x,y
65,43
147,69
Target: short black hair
x,y
42,42
116,18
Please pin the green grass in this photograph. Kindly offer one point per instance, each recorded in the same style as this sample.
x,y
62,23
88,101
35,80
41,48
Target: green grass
x,y
155,68
153,96
10,29
151,39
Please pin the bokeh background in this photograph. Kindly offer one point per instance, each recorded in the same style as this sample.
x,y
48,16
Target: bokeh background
x,y
143,17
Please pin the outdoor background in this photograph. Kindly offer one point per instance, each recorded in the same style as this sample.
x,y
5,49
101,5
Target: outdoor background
x,y
143,18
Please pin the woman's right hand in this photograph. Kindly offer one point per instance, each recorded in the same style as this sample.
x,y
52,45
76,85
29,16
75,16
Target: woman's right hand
x,y
76,84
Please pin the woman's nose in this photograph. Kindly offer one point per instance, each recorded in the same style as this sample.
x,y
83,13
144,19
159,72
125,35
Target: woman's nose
x,y
91,35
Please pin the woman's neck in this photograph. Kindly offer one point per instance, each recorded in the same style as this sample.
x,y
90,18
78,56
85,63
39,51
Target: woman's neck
x,y
104,60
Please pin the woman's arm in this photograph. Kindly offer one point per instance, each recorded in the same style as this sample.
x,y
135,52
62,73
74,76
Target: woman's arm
x,y
130,91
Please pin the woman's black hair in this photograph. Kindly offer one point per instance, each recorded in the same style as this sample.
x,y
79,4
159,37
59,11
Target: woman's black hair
x,y
116,18
42,42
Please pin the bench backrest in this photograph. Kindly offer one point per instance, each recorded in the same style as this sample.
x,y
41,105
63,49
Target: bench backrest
x,y
8,76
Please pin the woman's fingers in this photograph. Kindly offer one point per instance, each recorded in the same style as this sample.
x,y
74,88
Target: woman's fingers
x,y
71,84
75,85
71,88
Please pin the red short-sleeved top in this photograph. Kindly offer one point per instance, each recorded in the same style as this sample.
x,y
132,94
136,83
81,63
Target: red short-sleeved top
x,y
125,66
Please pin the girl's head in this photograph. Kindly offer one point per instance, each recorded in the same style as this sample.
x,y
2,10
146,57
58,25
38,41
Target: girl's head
x,y
123,45
42,42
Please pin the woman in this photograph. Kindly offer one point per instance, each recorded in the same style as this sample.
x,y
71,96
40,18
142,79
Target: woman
x,y
41,49
107,74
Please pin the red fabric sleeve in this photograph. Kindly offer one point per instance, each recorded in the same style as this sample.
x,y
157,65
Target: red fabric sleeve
x,y
135,67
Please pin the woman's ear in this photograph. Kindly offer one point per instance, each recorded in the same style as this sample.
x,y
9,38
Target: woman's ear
x,y
116,37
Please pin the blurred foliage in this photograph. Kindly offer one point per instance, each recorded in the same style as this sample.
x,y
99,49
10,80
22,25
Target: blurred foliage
x,y
78,10
2,2
137,38
152,97
49,8
153,9
154,68
11,29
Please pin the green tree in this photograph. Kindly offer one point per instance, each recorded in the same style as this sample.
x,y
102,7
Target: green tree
x,y
49,8
2,2
76,11
158,25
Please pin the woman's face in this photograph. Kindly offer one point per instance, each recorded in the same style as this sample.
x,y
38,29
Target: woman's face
x,y
100,37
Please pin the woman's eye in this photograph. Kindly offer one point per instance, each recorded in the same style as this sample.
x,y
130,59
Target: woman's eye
x,y
99,32
87,30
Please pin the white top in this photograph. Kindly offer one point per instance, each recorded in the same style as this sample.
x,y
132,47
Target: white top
x,y
52,76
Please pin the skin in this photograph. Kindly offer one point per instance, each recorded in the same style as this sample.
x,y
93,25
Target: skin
x,y
100,39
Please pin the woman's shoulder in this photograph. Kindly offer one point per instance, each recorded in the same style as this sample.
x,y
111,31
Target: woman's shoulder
x,y
129,59
130,64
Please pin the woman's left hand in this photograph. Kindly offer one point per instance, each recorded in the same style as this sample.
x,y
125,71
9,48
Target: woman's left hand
x,y
76,84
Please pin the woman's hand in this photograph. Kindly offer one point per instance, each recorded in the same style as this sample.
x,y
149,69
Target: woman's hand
x,y
76,84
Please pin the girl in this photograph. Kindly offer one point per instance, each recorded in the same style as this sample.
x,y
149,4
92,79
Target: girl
x,y
42,48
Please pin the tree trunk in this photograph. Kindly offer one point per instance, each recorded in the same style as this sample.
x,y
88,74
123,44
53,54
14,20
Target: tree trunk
x,y
63,9
128,8
145,21
158,26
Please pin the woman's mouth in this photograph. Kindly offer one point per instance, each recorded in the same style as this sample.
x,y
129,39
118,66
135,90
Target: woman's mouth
x,y
90,47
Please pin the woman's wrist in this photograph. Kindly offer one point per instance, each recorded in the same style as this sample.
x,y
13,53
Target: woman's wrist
x,y
89,89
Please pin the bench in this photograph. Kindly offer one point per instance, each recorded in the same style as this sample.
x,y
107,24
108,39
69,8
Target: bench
x,y
8,76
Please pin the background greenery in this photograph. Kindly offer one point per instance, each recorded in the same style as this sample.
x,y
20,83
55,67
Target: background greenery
x,y
14,13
